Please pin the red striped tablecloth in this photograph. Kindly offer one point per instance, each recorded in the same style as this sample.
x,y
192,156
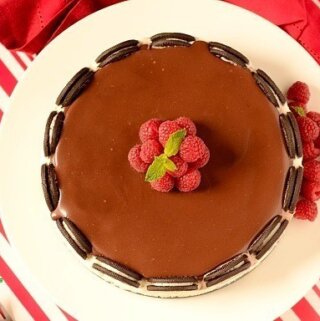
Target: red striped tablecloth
x,y
29,299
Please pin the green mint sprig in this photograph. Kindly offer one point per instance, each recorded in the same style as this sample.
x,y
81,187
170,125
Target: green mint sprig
x,y
300,111
163,163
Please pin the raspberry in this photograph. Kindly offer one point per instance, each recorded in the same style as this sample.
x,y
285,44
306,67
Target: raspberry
x,y
189,181
149,130
309,130
135,160
188,124
149,150
310,151
314,116
189,154
299,92
182,166
163,184
310,190
201,162
317,142
192,148
311,171
166,129
306,210
297,108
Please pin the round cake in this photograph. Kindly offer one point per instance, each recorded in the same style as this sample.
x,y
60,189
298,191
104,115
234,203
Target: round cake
x,y
179,242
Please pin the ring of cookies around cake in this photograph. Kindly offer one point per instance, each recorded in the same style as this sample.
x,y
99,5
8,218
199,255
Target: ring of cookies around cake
x,y
219,275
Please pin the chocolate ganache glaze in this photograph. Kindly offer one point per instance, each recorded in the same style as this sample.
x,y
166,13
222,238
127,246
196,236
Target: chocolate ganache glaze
x,y
171,234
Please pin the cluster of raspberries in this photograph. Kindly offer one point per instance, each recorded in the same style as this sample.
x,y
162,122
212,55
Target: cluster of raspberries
x,y
309,125
192,155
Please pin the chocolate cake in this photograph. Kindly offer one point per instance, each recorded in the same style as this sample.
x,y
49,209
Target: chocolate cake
x,y
172,244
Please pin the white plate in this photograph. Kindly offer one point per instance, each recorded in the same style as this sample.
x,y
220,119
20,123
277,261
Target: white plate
x,y
262,295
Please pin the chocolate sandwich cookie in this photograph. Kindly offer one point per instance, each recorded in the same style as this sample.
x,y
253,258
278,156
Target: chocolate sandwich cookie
x,y
82,72
56,132
70,239
173,288
266,89
116,276
227,55
50,186
183,279
274,238
46,140
289,188
296,133
121,268
45,187
172,284
292,188
296,190
81,239
256,245
118,55
228,49
228,274
226,267
172,36
120,46
161,43
77,88
288,135
272,85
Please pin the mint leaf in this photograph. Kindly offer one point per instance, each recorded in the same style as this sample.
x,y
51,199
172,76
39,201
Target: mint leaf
x,y
300,111
170,165
162,163
157,169
174,142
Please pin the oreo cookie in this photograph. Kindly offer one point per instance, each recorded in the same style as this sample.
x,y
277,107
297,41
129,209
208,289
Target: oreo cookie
x,y
228,275
226,266
296,189
228,56
53,186
70,240
162,43
272,240
296,133
120,268
288,135
118,55
230,50
266,89
173,35
122,45
179,288
56,132
258,241
77,88
184,279
50,186
45,187
116,276
70,84
84,243
46,140
272,84
289,188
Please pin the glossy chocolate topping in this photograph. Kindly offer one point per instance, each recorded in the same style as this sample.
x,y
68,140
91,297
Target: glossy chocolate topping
x,y
171,234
